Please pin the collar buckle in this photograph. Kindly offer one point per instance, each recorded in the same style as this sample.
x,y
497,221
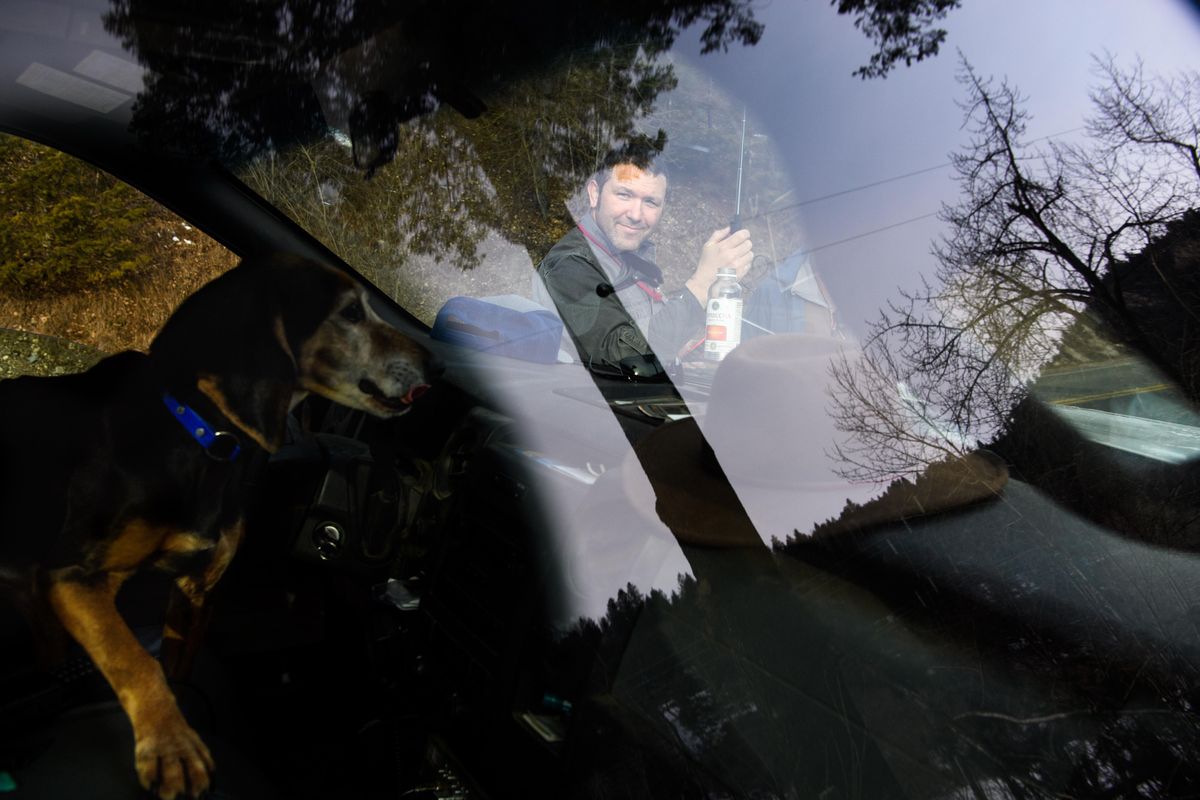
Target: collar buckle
x,y
223,446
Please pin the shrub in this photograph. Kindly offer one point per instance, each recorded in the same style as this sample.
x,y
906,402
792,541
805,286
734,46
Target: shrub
x,y
64,224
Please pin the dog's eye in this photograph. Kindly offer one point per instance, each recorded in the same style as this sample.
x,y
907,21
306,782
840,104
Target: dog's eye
x,y
354,312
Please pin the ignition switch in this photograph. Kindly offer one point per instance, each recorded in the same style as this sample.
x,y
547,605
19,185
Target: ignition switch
x,y
328,538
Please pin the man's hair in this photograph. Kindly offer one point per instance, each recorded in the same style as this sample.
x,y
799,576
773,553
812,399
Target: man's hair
x,y
641,151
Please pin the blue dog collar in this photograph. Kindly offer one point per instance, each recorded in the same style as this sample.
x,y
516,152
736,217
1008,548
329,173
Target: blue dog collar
x,y
219,445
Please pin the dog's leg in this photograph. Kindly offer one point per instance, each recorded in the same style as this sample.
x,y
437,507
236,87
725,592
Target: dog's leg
x,y
188,614
171,759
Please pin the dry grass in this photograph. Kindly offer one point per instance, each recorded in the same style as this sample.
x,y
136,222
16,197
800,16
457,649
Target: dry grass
x,y
127,314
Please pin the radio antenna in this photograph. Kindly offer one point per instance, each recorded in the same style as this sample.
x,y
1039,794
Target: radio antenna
x,y
736,223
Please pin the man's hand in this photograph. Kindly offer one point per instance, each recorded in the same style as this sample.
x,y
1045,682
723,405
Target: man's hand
x,y
723,249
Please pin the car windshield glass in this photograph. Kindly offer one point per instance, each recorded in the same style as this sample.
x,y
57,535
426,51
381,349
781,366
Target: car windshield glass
x,y
827,373
843,181
952,233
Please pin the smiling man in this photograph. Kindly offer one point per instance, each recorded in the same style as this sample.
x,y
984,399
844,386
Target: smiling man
x,y
602,277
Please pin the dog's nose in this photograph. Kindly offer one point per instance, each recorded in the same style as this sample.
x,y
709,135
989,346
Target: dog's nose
x,y
368,386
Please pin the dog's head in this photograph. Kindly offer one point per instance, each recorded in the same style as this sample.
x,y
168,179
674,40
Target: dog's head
x,y
278,325
355,358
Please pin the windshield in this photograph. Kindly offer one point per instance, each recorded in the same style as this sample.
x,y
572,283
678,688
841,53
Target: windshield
x,y
955,224
836,363
950,212
847,185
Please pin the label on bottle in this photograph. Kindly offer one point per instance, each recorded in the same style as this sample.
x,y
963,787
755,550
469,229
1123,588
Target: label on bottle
x,y
723,327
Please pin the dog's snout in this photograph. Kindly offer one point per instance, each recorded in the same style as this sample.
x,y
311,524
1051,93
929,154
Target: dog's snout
x,y
434,367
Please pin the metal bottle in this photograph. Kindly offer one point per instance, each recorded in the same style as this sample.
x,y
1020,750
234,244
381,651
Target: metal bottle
x,y
723,322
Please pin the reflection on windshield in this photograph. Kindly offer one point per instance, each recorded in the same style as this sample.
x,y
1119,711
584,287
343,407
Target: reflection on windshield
x,y
1054,273
1013,614
963,533
527,100
240,79
236,79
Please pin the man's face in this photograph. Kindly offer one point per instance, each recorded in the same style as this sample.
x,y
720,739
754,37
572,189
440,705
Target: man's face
x,y
628,205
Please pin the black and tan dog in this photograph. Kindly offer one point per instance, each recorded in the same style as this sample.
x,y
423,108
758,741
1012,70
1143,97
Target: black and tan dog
x,y
143,460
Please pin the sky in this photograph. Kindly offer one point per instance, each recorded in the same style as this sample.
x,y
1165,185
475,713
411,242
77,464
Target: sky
x,y
837,132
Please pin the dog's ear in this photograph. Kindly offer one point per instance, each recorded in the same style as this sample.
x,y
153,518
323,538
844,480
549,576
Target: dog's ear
x,y
306,296
240,333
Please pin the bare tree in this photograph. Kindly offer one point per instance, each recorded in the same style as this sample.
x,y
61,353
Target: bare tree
x,y
1040,238
1162,115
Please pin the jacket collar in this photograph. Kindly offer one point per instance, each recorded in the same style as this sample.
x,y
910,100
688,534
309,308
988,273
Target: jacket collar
x,y
608,256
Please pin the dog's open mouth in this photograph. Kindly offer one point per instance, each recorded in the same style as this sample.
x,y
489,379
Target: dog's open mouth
x,y
371,389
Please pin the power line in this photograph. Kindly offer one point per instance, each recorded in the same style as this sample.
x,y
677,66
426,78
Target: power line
x,y
892,179
865,234
902,223
851,190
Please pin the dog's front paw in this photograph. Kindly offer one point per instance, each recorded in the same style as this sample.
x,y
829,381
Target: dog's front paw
x,y
172,761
